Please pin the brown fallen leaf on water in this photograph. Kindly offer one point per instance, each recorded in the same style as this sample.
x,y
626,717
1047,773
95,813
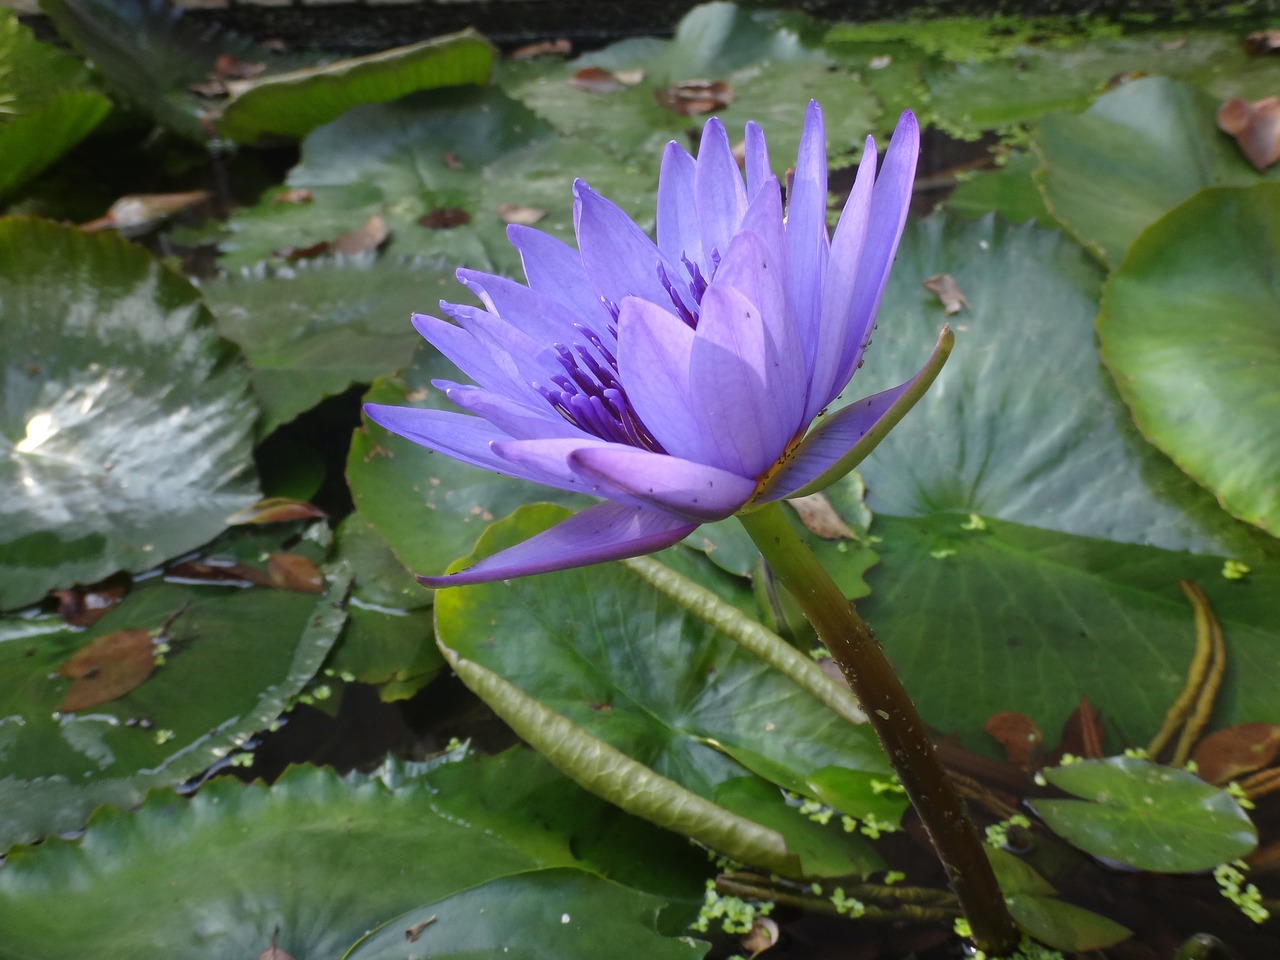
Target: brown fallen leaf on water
x,y
217,570
444,218
276,510
289,571
820,518
515,213
413,933
1082,733
596,80
365,239
1256,127
140,213
693,97
1262,43
1231,753
107,668
84,606
293,196
944,287
1022,740
531,51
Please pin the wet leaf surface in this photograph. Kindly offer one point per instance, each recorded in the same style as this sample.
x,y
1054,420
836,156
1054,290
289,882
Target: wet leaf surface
x,y
1229,754
107,668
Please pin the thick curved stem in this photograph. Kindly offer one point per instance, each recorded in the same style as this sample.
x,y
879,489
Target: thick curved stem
x,y
896,721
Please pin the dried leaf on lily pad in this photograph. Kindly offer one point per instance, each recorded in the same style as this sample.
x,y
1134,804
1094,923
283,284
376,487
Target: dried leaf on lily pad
x,y
1256,127
1022,740
691,98
596,80
108,668
276,510
521,215
1262,43
819,517
84,606
1082,733
217,570
1231,753
293,195
290,571
444,218
365,239
944,287
140,213
560,47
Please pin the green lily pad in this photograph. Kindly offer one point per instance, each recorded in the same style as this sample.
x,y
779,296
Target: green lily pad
x,y
236,658
47,105
471,150
982,618
291,105
126,422
305,861
1023,423
541,915
1138,152
389,637
1034,904
653,679
1147,816
313,329
1190,328
1009,190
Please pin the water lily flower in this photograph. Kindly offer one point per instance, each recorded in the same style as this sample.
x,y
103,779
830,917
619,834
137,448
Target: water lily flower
x,y
686,380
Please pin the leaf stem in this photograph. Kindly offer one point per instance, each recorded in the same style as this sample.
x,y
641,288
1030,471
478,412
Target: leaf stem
x,y
897,723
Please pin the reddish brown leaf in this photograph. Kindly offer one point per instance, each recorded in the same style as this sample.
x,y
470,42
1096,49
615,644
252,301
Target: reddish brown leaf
x,y
944,287
451,161
217,570
140,213
296,195
819,517
1082,733
364,240
444,218
596,80
84,606
289,571
694,97
229,68
543,48
1256,127
1231,753
515,213
276,510
108,667
1022,740
1262,43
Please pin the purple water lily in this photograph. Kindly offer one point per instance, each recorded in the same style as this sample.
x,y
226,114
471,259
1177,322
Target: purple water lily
x,y
682,381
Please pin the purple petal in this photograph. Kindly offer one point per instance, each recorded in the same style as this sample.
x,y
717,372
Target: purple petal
x,y
835,339
492,369
678,235
690,490
549,457
620,260
889,207
522,421
607,531
535,315
554,269
654,348
807,244
720,195
756,161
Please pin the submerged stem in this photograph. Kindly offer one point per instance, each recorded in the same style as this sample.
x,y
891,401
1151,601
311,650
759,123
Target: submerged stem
x,y
896,722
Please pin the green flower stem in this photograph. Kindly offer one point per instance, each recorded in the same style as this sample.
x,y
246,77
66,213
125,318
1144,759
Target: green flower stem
x,y
896,721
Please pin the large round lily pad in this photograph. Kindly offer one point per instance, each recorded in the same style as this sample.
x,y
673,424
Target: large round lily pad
x,y
1190,327
126,423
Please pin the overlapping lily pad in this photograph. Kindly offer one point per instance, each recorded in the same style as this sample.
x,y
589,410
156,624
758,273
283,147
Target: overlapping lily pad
x,y
1190,328
304,865
126,422
1100,174
312,329
48,106
235,658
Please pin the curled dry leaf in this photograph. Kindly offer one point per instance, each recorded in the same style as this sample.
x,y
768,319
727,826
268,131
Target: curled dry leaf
x,y
294,195
944,287
521,215
218,570
140,213
1262,43
107,668
276,510
560,47
690,98
820,518
762,936
1022,740
1231,753
1256,127
1082,733
414,932
84,606
596,80
444,218
289,571
366,239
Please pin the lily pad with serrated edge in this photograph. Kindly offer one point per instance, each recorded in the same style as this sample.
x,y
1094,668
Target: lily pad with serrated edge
x,y
1190,329
126,421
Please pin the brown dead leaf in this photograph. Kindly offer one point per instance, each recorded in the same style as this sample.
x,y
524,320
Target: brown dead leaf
x,y
691,98
1256,127
276,510
1022,740
364,240
289,571
1082,733
444,218
452,161
273,952
819,517
762,936
1262,43
217,570
107,668
295,195
84,606
944,287
596,80
140,213
515,213
413,933
1231,753
531,51
227,67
